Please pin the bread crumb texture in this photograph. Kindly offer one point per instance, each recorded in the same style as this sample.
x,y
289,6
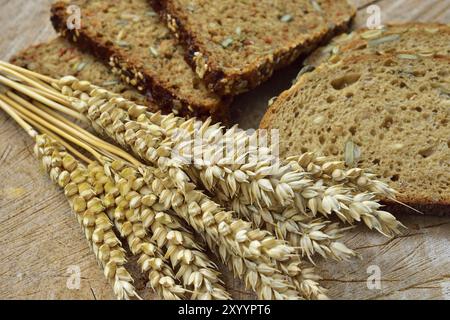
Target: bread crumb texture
x,y
425,39
236,45
394,108
128,35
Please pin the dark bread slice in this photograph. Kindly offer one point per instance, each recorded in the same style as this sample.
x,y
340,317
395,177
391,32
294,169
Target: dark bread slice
x,y
422,38
59,58
394,108
128,36
235,46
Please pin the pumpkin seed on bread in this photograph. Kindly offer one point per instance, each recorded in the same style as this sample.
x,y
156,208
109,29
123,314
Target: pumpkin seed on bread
x,y
425,39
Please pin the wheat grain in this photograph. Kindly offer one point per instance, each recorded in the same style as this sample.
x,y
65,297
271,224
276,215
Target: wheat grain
x,y
195,269
69,174
151,261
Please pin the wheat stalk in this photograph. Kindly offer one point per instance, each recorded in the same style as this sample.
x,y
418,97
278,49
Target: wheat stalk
x,y
196,269
150,258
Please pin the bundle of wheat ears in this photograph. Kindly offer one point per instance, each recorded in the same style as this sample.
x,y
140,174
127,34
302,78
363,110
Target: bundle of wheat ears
x,y
266,219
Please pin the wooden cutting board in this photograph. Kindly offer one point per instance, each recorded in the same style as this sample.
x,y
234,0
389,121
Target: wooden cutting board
x,y
42,245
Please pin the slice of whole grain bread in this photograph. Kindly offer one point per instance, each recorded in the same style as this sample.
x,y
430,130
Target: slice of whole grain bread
x,y
58,58
236,45
394,108
129,37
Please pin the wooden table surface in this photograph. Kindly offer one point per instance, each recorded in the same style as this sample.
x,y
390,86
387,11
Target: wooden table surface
x,y
41,242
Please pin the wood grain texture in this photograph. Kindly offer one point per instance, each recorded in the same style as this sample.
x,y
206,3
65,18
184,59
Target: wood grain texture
x,y
41,240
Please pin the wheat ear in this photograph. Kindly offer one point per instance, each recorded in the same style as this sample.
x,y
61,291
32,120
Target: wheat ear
x,y
364,204
196,269
109,115
72,176
255,177
258,179
78,188
151,260
311,235
136,201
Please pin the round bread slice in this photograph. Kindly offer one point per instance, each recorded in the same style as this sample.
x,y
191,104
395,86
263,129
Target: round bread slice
x,y
394,109
424,39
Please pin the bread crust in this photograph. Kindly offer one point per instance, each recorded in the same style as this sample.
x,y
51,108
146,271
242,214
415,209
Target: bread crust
x,y
235,83
131,73
422,203
434,209
28,55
